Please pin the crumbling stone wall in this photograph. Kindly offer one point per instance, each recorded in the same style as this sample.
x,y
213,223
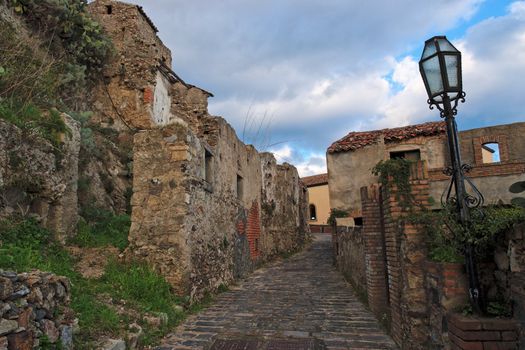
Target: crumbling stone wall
x,y
37,178
203,230
34,305
205,208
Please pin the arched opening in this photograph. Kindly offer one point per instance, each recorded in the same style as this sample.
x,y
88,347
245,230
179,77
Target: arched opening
x,y
313,212
490,153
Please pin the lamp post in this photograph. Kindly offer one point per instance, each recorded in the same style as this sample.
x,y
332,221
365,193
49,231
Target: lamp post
x,y
440,67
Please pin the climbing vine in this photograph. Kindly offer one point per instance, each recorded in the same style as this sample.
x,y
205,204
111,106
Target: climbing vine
x,y
396,172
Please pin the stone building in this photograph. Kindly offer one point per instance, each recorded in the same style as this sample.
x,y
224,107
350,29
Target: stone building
x,y
350,160
386,258
206,208
319,202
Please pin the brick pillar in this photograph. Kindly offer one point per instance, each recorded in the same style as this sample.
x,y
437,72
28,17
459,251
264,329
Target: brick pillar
x,y
406,256
392,248
375,259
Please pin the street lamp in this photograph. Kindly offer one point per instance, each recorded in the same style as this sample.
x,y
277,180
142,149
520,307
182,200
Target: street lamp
x,y
440,67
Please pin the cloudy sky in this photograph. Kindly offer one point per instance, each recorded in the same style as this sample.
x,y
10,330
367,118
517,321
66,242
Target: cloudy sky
x,y
292,76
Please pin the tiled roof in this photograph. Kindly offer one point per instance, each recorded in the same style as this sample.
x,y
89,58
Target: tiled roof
x,y
357,140
315,180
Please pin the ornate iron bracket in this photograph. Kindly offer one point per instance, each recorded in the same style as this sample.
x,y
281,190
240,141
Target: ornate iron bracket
x,y
471,201
432,104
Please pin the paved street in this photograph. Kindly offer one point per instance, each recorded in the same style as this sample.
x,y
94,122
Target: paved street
x,y
298,303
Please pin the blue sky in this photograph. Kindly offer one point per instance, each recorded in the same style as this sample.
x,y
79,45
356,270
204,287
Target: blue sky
x,y
292,76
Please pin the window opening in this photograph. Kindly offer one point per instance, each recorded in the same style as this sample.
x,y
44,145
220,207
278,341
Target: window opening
x,y
208,157
313,212
358,221
408,155
239,187
490,153
109,9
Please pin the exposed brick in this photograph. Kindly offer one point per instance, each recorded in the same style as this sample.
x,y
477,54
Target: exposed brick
x,y
500,345
509,335
474,335
502,325
466,345
464,323
148,95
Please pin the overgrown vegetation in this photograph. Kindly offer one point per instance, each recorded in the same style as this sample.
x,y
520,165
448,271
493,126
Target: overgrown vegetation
x,y
50,67
334,214
99,227
67,25
396,172
25,245
446,237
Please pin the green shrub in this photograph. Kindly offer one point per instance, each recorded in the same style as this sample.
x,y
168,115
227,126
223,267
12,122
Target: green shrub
x,y
446,237
67,23
334,214
100,227
138,283
29,118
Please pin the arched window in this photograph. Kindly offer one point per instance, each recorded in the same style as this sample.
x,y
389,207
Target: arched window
x,y
313,213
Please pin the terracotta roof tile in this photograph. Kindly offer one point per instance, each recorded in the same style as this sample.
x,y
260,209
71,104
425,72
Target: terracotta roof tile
x,y
360,139
315,180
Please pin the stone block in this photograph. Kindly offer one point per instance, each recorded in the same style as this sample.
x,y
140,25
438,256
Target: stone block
x,y
20,341
7,326
6,288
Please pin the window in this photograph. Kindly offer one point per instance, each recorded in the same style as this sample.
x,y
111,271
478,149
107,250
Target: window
x,y
408,155
313,212
208,173
239,187
490,153
358,221
109,9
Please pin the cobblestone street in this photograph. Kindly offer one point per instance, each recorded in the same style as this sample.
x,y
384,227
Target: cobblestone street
x,y
299,303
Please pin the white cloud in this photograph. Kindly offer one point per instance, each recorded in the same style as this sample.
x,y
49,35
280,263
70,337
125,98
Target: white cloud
x,y
309,71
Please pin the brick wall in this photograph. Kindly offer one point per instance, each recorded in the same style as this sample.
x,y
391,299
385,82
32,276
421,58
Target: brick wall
x,y
482,333
375,258
253,230
447,289
405,255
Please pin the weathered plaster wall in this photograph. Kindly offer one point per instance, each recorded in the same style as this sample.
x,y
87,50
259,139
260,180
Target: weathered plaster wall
x,y
320,197
493,179
351,170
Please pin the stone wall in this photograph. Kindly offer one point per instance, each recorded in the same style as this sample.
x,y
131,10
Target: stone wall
x,y
447,291
38,179
350,254
206,208
34,305
205,215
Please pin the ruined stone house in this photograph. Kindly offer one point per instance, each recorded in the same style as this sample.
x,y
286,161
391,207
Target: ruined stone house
x,y
496,153
206,208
